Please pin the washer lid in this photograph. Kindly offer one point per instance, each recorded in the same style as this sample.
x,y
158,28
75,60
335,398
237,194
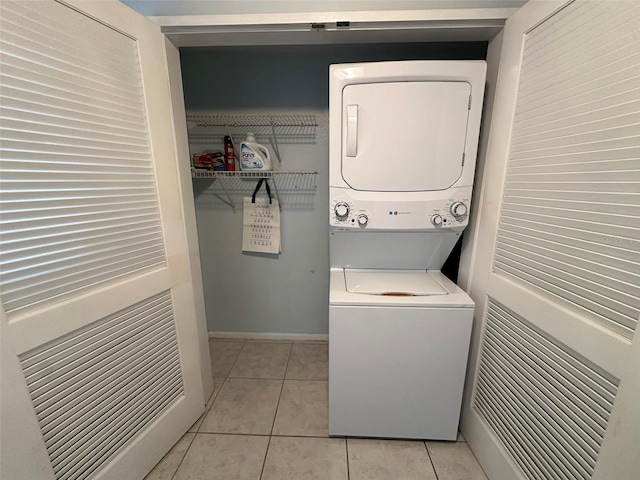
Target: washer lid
x,y
392,282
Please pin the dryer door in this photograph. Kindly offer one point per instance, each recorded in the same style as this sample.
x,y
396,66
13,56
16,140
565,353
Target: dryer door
x,y
404,136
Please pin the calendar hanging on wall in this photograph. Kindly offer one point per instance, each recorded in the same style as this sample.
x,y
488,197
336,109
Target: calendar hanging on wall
x,y
261,222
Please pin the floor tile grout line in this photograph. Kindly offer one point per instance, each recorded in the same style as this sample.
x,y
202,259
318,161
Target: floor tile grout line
x,y
228,340
219,389
213,399
215,395
264,462
265,435
184,456
310,376
338,437
251,340
346,447
279,378
435,472
235,361
230,374
275,415
476,459
286,369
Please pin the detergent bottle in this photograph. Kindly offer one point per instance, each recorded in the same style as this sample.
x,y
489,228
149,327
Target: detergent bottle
x,y
254,156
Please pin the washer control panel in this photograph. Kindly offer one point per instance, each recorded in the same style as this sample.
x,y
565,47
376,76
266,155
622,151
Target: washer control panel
x,y
349,214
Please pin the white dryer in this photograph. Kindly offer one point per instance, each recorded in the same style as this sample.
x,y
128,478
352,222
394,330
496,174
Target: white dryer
x,y
403,143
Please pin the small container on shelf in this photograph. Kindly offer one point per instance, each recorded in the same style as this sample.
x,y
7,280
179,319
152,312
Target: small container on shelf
x,y
208,161
218,161
229,157
254,155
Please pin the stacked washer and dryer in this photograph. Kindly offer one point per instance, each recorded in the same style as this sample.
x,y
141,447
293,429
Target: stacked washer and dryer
x,y
403,144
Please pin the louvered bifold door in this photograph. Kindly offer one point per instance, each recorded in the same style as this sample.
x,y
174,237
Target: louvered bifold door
x,y
570,222
559,284
94,273
79,202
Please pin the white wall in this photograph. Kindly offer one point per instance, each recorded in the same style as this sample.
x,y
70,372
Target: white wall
x,y
288,294
206,7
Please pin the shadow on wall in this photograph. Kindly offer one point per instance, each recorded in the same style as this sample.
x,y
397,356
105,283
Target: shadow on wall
x,y
290,77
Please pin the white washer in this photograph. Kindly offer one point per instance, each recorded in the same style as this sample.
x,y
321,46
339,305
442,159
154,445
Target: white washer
x,y
396,363
402,147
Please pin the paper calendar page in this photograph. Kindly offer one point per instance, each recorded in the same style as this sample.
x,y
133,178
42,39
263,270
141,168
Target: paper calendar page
x,y
261,226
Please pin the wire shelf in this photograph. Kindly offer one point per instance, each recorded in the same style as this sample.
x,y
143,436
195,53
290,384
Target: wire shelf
x,y
294,189
198,173
235,121
289,129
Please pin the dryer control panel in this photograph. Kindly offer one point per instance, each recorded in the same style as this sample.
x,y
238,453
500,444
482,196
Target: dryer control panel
x,y
349,214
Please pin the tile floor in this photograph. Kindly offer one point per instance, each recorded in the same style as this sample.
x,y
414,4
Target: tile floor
x,y
267,420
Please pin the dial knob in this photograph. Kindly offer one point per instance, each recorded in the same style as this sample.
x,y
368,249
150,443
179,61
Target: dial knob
x,y
363,220
436,219
458,209
341,210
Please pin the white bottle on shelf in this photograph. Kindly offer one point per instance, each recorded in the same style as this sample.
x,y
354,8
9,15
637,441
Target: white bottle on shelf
x,y
253,155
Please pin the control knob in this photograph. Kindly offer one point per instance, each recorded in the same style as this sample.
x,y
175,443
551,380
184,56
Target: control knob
x,y
458,209
436,219
341,209
363,220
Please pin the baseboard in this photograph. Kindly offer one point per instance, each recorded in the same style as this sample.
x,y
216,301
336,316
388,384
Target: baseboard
x,y
289,337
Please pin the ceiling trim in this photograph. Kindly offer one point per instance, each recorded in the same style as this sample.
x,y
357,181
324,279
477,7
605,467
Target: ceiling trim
x,y
334,27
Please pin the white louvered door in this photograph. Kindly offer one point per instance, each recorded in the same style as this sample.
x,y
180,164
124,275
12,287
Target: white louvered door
x,y
100,354
555,269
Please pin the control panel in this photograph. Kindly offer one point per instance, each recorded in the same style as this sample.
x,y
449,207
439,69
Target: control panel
x,y
346,214
349,214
